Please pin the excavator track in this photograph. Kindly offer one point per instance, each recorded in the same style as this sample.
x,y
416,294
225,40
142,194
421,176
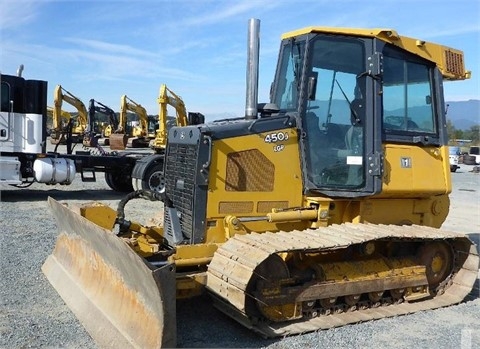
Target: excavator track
x,y
239,261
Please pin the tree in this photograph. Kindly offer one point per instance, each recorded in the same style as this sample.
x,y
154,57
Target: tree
x,y
473,134
453,133
451,130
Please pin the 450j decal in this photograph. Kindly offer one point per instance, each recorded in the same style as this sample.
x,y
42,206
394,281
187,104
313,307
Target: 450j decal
x,y
275,138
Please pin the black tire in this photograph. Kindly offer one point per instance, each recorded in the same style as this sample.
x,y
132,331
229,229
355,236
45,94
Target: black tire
x,y
149,174
153,178
119,182
469,160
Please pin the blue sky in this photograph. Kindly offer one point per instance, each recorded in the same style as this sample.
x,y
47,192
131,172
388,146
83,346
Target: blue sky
x,y
103,49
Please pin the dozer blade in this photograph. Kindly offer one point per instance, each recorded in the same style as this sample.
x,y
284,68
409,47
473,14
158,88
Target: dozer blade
x,y
119,300
118,141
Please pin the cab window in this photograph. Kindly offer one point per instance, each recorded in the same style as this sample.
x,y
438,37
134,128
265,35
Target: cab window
x,y
407,91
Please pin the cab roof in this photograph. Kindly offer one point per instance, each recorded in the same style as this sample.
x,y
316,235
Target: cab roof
x,y
449,61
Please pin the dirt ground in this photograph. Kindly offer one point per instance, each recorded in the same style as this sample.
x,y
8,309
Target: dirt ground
x,y
33,315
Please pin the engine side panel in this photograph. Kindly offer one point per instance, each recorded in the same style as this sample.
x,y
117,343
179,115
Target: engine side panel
x,y
253,175
414,171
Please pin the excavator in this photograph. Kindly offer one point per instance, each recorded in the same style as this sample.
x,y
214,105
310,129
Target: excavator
x,y
96,128
167,97
79,122
126,135
148,171
65,116
316,210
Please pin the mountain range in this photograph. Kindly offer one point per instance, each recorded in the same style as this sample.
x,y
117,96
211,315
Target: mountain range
x,y
464,114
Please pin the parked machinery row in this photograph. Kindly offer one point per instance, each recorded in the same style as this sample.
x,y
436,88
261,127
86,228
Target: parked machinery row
x,y
23,138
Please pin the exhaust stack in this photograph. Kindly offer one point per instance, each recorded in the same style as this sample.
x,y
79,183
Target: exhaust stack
x,y
253,50
20,71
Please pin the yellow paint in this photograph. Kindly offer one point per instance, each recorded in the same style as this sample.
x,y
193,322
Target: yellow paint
x,y
286,186
428,174
450,61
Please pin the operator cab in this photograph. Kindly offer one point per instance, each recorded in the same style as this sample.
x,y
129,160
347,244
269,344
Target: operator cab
x,y
349,93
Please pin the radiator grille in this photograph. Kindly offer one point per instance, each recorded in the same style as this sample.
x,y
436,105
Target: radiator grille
x,y
179,181
249,170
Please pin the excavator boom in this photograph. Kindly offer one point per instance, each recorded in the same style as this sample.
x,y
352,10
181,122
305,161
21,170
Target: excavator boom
x,y
95,128
167,97
124,136
81,122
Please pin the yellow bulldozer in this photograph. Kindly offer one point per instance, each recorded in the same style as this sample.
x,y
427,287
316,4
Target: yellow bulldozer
x,y
318,209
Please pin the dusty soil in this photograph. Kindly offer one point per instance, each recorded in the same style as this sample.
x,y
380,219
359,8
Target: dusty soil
x,y
33,315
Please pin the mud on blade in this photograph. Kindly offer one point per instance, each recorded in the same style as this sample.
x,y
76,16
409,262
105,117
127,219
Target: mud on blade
x,y
120,301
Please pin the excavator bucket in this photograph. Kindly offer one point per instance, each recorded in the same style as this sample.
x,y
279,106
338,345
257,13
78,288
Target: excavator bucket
x,y
118,141
119,299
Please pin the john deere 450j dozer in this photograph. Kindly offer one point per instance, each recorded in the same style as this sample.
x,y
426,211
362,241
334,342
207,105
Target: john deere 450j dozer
x,y
325,209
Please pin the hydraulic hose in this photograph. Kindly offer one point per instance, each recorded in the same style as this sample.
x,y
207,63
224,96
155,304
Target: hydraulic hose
x,y
143,194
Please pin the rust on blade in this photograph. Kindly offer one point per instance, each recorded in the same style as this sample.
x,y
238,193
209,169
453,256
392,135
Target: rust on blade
x,y
115,295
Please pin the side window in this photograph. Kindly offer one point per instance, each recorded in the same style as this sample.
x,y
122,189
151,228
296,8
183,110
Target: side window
x,y
407,96
290,73
5,97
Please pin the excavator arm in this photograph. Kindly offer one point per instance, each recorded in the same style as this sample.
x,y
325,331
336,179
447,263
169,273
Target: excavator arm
x,y
112,117
89,139
137,135
61,95
127,104
181,114
57,121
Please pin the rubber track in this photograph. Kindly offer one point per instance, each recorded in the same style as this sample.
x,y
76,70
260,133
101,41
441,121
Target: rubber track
x,y
234,262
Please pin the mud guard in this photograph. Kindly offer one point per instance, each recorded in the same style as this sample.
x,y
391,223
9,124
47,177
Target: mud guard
x,y
120,301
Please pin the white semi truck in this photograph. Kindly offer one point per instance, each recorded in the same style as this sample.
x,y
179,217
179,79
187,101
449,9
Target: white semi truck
x,y
23,139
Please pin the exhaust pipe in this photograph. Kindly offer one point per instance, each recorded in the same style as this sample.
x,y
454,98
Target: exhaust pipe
x,y
253,49
20,71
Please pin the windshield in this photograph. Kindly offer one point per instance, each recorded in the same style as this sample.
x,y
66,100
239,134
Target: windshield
x,y
334,100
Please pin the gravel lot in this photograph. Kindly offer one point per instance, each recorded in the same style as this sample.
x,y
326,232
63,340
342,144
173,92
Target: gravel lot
x,y
32,315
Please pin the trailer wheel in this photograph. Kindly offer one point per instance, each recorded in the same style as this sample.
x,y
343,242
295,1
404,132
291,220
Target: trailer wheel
x,y
118,182
148,174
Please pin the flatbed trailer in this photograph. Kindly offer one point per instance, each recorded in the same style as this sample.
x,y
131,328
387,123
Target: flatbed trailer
x,y
24,158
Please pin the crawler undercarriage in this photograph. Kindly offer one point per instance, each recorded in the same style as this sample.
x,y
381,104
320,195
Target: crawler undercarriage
x,y
287,283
